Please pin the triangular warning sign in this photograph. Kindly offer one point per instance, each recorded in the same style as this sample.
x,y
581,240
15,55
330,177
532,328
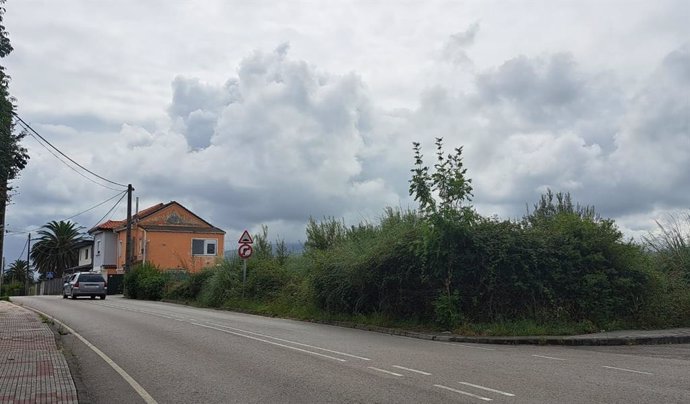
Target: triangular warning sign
x,y
246,238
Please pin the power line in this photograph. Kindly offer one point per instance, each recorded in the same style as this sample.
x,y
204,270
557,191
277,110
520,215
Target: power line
x,y
69,166
64,155
111,209
23,249
123,193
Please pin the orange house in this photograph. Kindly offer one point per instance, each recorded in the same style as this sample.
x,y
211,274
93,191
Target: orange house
x,y
170,236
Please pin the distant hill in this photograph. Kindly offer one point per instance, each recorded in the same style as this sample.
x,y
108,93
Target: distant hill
x,y
294,248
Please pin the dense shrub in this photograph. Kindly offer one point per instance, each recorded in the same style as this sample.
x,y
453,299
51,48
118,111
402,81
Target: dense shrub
x,y
12,289
223,283
189,287
374,269
145,281
561,267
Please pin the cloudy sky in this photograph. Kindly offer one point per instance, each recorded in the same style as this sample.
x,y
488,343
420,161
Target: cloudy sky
x,y
269,112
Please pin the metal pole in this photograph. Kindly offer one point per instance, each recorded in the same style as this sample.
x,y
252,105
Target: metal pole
x,y
244,276
128,242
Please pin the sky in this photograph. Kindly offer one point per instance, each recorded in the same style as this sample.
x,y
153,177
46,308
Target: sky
x,y
268,112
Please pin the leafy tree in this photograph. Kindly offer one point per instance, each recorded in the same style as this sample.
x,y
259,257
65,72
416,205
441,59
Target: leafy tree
x,y
443,196
13,157
16,272
325,234
56,249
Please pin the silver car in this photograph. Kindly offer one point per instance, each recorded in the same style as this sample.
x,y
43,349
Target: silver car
x,y
85,284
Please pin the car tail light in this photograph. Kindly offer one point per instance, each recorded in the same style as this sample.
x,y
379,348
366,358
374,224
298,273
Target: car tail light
x,y
76,285
105,284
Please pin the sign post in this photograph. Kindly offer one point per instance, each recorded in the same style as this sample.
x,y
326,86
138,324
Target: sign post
x,y
245,251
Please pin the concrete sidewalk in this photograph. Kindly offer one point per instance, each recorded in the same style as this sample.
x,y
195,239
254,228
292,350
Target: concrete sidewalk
x,y
32,369
624,337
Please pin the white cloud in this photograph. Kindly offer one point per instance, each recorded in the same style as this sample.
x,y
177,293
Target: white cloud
x,y
192,112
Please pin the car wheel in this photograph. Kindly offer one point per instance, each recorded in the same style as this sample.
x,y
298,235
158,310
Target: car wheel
x,y
73,296
64,296
102,297
93,297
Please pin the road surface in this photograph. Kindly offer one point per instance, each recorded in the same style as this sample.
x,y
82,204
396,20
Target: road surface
x,y
181,354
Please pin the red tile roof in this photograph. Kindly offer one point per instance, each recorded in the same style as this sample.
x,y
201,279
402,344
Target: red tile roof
x,y
109,225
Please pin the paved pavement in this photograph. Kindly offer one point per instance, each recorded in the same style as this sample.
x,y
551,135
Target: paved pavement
x,y
32,368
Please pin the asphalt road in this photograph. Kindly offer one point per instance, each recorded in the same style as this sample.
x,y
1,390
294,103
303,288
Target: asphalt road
x,y
180,354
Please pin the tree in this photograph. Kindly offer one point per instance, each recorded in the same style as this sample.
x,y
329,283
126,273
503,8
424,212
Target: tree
x,y
57,248
444,197
13,157
16,272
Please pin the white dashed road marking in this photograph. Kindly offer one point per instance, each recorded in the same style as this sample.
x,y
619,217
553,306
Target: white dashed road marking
x,y
413,370
461,392
628,370
488,389
385,371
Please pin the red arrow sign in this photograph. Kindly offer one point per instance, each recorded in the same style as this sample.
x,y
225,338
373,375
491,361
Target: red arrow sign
x,y
245,251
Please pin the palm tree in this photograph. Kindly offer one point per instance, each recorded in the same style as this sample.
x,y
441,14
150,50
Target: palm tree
x,y
16,272
57,248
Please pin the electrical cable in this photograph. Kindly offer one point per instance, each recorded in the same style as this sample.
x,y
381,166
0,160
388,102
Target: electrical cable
x,y
23,249
111,209
69,166
123,193
63,154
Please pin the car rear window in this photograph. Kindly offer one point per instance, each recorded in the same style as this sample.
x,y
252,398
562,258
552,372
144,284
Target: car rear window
x,y
90,278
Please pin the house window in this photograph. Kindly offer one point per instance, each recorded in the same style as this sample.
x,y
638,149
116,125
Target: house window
x,y
119,249
204,246
98,247
86,254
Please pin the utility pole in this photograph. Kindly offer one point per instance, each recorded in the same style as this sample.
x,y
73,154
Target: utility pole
x,y
28,265
2,274
128,243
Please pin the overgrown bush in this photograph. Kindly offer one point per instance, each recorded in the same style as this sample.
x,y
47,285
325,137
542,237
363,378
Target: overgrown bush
x,y
12,289
374,269
189,287
223,283
146,282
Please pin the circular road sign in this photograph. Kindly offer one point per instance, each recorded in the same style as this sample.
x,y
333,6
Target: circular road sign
x,y
245,251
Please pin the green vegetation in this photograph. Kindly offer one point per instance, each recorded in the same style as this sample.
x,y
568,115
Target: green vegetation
x,y
13,156
561,269
56,249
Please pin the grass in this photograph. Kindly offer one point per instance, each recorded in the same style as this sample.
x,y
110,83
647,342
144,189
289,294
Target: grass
x,y
309,312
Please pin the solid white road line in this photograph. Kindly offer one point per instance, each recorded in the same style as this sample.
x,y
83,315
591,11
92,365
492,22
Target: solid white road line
x,y
269,342
291,342
385,371
549,357
461,392
473,347
136,386
413,370
488,389
628,370
247,332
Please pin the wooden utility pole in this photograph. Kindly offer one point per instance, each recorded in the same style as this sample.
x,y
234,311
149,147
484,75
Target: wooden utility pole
x,y
28,265
128,242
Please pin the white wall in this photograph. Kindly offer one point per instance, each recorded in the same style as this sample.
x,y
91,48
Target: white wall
x,y
104,249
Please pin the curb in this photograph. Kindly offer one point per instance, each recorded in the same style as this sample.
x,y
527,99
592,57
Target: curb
x,y
536,340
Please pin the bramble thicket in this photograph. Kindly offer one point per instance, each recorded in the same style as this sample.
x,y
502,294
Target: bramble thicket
x,y
560,269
